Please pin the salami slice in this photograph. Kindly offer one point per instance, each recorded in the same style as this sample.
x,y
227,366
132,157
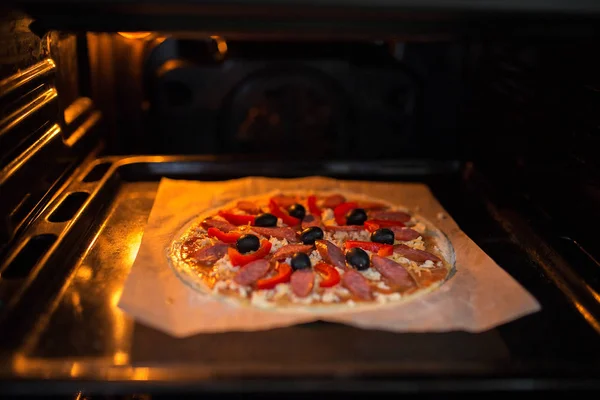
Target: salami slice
x,y
291,249
357,284
284,201
344,228
333,201
390,215
280,233
192,243
393,272
221,225
404,234
248,206
419,256
311,220
330,253
252,272
370,205
209,255
302,282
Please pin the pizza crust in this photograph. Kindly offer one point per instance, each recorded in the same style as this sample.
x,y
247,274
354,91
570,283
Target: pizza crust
x,y
438,242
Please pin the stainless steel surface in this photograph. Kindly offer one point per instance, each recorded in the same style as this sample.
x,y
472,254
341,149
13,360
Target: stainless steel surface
x,y
83,328
83,334
82,339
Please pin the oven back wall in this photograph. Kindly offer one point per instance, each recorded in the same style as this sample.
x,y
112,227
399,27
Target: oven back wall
x,y
324,100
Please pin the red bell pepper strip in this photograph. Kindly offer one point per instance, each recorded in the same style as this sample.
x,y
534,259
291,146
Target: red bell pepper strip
x,y
238,258
381,249
331,276
312,205
340,212
279,213
284,272
371,226
227,237
388,250
374,224
384,223
237,219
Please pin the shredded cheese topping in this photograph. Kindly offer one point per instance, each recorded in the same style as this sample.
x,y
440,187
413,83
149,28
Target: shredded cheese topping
x,y
276,244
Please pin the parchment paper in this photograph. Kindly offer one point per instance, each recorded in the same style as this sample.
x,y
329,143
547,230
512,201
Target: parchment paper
x,y
479,296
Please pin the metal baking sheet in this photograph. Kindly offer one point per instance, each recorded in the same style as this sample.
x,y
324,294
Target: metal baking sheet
x,y
73,335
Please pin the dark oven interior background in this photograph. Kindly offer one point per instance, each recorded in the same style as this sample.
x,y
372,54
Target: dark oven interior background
x,y
319,99
324,99
523,107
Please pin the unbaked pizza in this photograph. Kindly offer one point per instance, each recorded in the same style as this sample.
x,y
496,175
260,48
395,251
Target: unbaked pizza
x,y
317,249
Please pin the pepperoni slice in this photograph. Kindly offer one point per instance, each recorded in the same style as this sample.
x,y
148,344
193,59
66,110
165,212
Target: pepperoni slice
x,y
419,256
280,233
344,228
221,225
333,201
252,272
209,255
302,282
393,272
390,215
404,234
291,249
370,205
357,284
311,220
331,253
248,206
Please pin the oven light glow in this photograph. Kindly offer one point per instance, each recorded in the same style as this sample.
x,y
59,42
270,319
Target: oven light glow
x,y
75,370
221,45
134,246
115,297
120,358
84,273
141,374
135,35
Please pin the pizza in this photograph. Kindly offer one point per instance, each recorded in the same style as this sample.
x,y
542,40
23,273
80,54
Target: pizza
x,y
312,250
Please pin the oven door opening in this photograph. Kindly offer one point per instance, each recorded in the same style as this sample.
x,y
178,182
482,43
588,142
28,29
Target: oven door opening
x,y
500,127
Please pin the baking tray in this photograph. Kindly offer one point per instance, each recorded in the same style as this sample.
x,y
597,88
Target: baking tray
x,y
66,333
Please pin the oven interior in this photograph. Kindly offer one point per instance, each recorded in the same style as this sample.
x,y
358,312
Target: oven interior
x,y
497,114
